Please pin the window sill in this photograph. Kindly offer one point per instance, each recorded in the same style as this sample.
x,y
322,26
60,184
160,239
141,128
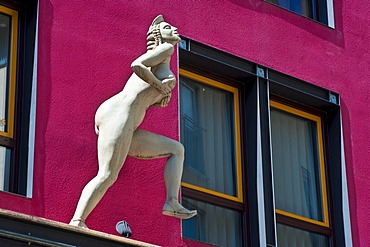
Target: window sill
x,y
14,225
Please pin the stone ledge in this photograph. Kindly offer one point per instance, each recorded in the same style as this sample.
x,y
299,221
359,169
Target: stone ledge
x,y
16,229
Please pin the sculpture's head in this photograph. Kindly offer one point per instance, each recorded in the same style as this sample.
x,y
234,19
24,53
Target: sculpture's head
x,y
160,32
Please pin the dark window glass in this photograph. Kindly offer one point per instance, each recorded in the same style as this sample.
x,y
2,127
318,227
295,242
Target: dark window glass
x,y
313,9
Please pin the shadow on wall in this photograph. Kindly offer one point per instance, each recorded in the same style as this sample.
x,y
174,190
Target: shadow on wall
x,y
328,34
43,100
350,174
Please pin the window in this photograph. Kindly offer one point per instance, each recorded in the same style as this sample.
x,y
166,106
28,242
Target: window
x,y
8,62
16,75
210,133
299,177
263,155
318,10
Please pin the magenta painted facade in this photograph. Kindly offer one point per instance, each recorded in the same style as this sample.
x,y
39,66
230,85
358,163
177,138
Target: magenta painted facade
x,y
85,51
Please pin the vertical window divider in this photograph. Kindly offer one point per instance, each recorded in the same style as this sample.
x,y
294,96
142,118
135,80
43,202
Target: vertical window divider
x,y
268,196
260,173
274,224
32,115
251,120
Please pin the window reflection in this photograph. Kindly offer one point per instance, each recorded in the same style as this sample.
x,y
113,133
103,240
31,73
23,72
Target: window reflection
x,y
207,132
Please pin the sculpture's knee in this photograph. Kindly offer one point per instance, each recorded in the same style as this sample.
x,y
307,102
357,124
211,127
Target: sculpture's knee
x,y
179,150
107,179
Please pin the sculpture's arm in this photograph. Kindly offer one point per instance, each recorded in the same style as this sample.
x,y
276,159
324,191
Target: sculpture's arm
x,y
152,58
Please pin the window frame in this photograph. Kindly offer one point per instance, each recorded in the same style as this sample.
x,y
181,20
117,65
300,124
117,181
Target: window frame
x,y
235,203
321,160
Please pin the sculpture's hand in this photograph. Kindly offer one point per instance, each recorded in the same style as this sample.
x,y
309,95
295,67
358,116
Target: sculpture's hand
x,y
166,100
167,85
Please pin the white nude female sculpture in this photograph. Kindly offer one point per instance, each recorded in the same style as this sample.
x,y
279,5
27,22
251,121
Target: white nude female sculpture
x,y
118,118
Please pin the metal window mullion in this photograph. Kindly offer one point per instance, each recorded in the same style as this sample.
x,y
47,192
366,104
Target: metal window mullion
x,y
32,116
330,10
260,187
271,160
266,157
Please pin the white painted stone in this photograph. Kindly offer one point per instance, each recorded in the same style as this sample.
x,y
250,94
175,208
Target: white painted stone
x,y
117,120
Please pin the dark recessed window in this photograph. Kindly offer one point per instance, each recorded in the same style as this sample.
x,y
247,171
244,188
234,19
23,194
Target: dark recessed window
x,y
8,74
299,177
17,44
263,155
318,10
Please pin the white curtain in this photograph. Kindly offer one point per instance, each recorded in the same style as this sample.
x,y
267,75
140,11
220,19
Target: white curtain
x,y
2,127
293,237
296,168
296,176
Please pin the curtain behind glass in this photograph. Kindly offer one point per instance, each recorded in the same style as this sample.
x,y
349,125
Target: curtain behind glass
x,y
4,58
5,161
296,168
293,237
207,129
213,224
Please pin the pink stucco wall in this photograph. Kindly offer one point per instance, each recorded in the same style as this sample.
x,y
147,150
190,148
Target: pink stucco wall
x,y
85,51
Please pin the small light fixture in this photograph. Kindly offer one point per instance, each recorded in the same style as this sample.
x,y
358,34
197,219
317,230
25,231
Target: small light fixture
x,y
124,229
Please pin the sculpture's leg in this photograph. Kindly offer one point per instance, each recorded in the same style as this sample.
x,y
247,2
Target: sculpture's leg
x,y
112,152
147,145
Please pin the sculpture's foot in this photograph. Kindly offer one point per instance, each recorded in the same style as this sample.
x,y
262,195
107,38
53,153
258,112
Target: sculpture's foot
x,y
173,208
78,222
